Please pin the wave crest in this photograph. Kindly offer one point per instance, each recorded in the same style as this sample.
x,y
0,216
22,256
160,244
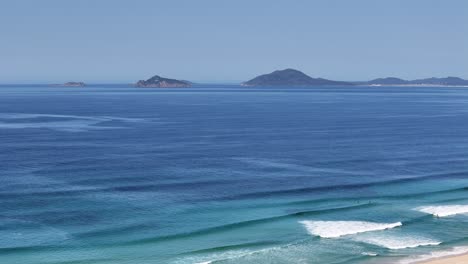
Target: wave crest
x,y
397,242
444,210
332,229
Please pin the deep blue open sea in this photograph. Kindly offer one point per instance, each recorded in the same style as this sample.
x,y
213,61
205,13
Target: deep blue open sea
x,y
229,174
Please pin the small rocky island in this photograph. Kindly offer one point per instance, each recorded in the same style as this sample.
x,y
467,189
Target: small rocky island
x,y
387,81
290,77
161,82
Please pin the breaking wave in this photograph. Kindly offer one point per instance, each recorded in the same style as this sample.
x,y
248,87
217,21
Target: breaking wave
x,y
332,229
397,241
444,210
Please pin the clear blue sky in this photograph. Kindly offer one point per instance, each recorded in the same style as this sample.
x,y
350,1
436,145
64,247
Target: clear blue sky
x,y
217,40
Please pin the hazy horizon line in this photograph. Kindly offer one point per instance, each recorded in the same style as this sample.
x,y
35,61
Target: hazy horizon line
x,y
226,82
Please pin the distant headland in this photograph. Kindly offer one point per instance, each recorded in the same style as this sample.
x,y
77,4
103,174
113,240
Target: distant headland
x,y
161,82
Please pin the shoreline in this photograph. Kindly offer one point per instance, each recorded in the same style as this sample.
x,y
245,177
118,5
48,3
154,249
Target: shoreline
x,y
455,255
454,259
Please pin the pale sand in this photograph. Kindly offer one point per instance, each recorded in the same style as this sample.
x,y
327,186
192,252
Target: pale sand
x,y
461,259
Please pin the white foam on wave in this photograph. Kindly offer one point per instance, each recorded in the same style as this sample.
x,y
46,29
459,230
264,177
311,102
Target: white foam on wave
x,y
371,254
397,241
435,255
332,229
444,210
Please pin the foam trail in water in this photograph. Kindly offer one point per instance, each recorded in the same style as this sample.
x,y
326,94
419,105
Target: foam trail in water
x,y
397,242
444,210
64,123
229,255
435,255
331,229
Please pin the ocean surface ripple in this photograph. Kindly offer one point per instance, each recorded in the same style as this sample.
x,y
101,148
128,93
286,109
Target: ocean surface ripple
x,y
229,174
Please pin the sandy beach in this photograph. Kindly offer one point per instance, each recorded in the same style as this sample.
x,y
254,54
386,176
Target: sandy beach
x,y
460,259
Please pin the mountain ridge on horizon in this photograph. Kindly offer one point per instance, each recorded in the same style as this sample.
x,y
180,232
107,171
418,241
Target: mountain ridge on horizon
x,y
293,77
450,80
285,77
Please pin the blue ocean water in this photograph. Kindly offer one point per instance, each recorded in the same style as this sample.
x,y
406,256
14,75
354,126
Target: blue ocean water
x,y
228,174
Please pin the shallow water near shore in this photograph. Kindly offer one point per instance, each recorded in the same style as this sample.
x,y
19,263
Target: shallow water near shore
x,y
229,174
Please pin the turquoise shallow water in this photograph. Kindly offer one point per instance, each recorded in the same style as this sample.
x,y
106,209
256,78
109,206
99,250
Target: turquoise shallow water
x,y
226,174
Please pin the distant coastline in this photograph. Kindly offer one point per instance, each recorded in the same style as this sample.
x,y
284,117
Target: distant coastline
x,y
291,78
447,81
234,85
411,85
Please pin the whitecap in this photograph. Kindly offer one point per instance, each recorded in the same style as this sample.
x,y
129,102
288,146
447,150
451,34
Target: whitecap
x,y
371,254
331,229
444,210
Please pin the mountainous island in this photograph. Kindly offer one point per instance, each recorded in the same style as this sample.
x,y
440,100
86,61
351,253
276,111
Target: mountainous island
x,y
290,77
161,82
448,81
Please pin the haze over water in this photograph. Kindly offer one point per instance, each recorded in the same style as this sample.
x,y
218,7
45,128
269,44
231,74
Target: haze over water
x,y
113,175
